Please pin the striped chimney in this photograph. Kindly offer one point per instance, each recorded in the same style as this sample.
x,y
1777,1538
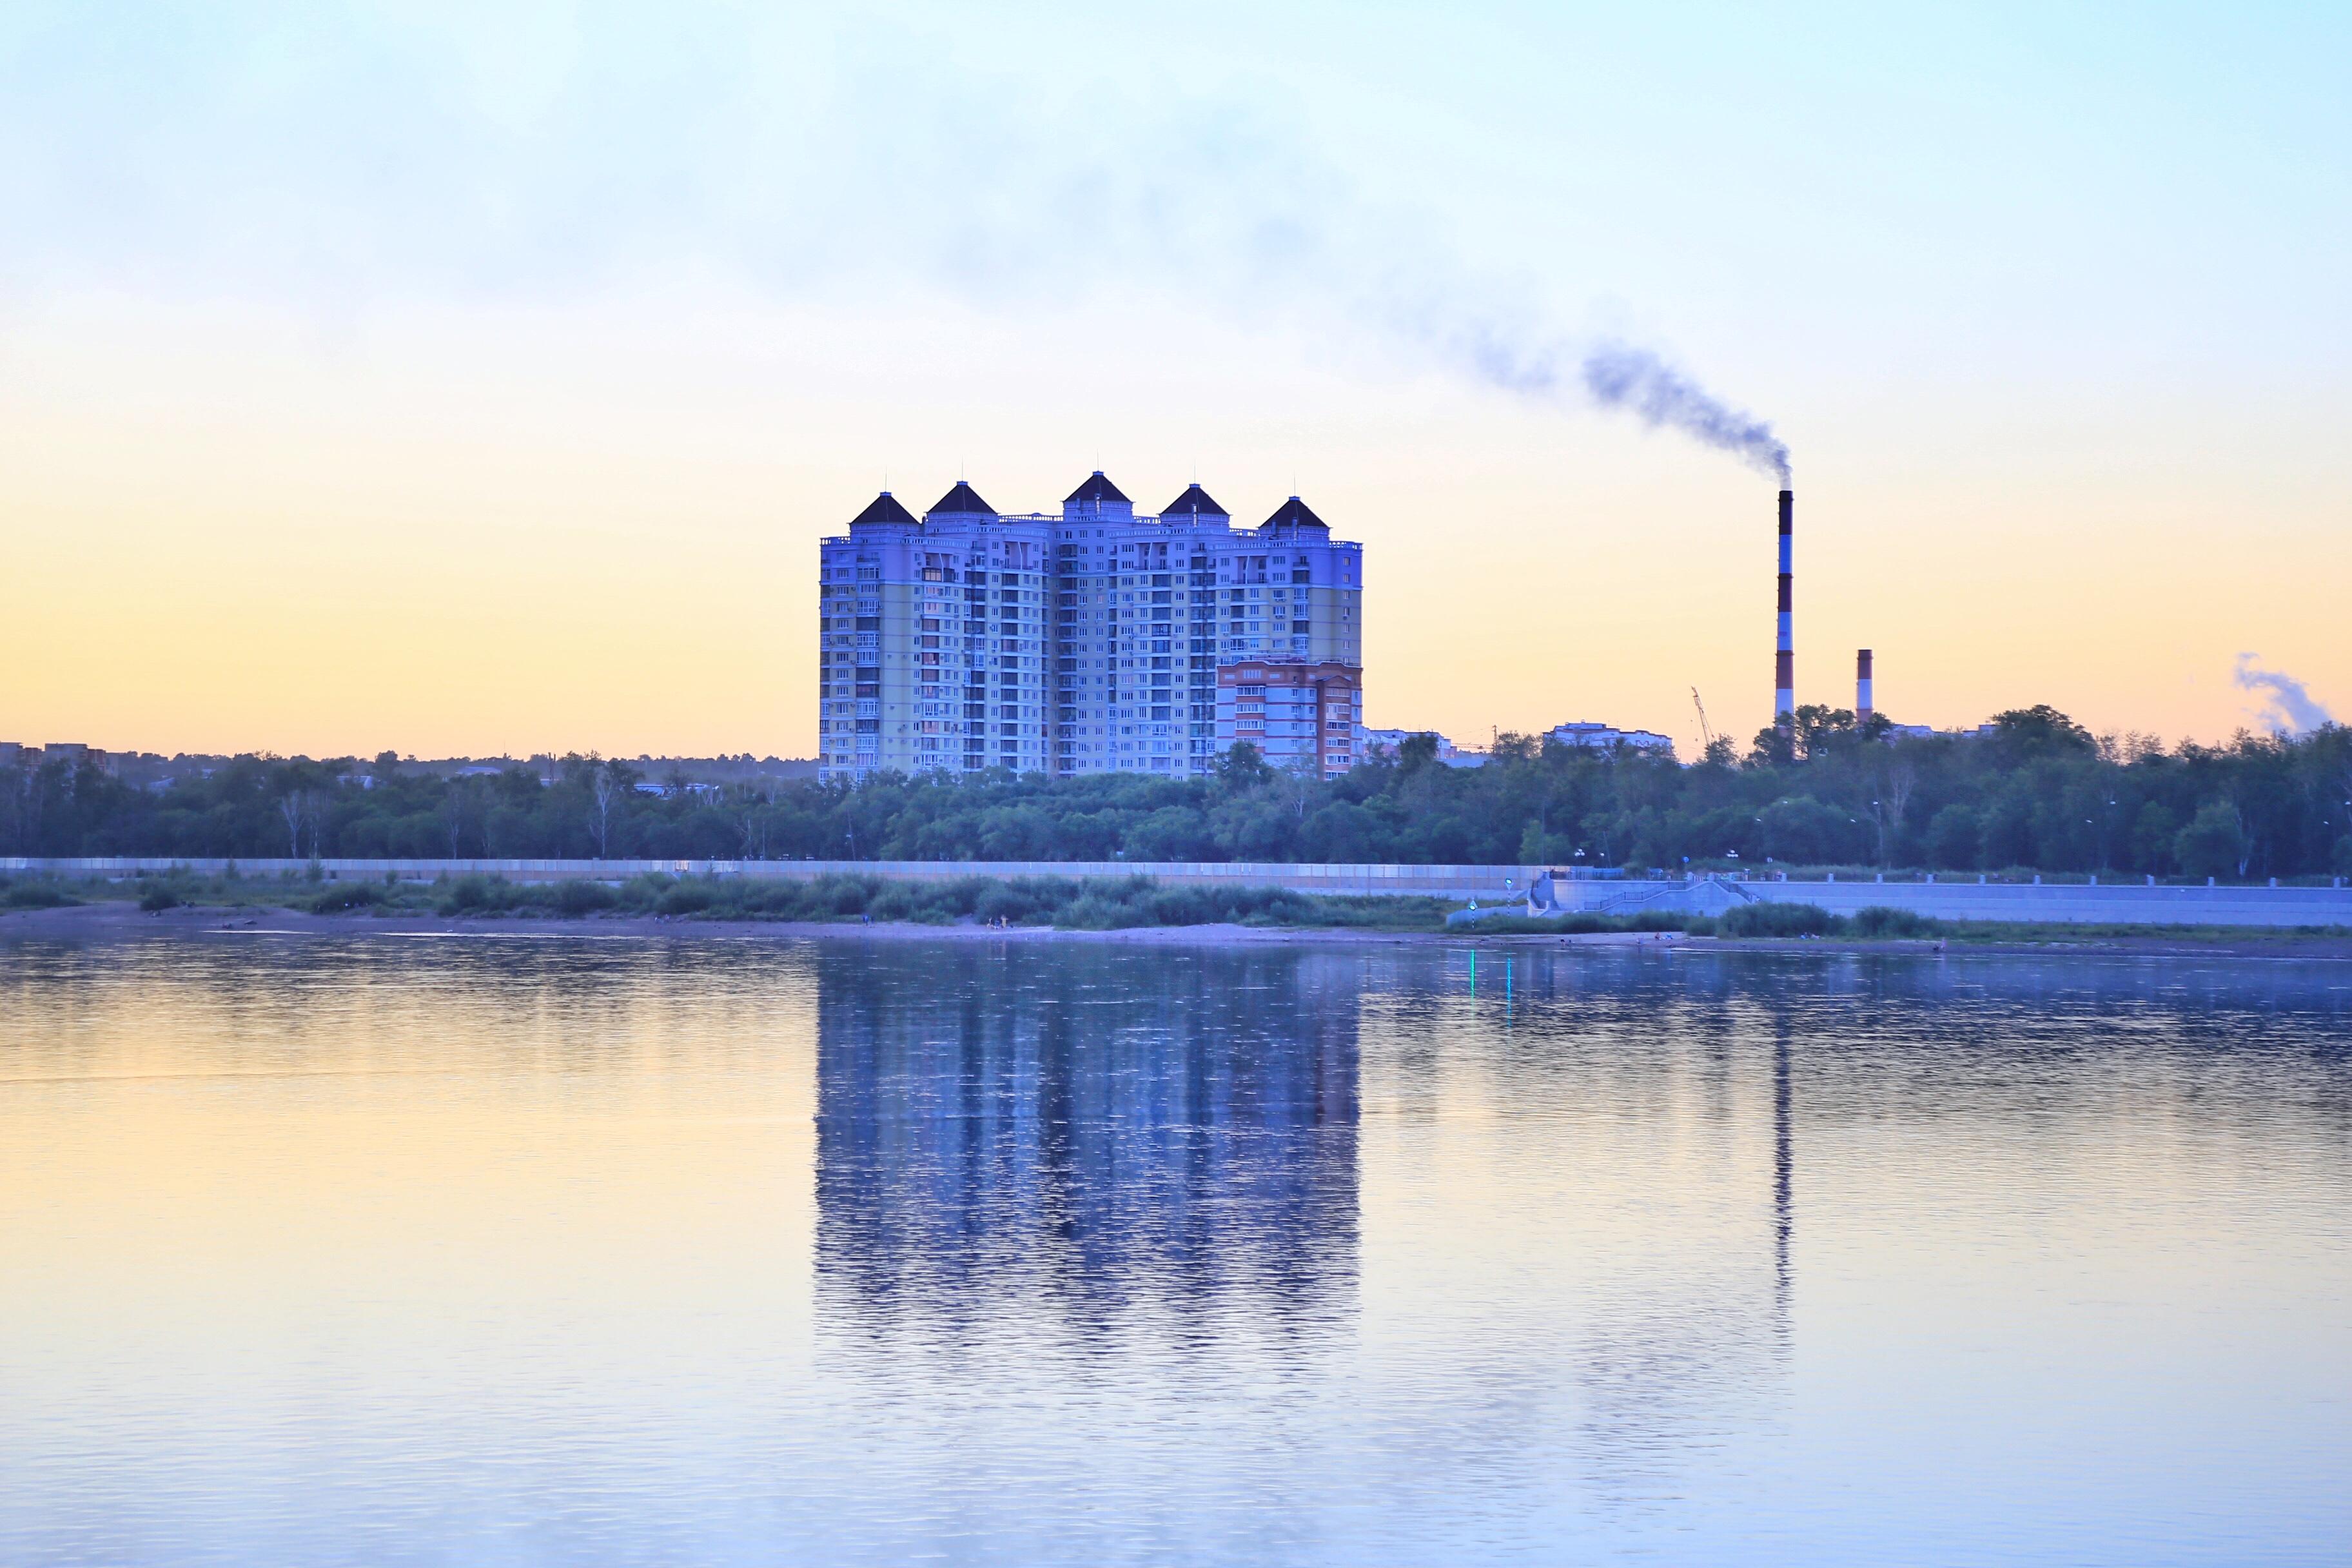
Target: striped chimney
x,y
1784,658
1861,704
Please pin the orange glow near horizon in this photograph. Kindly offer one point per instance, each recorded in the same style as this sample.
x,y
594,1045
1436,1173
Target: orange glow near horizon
x,y
453,536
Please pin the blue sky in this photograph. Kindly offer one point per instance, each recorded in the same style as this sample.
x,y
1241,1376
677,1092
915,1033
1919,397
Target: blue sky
x,y
2063,285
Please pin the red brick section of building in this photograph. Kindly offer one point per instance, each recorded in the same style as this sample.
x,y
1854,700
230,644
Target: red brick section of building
x,y
1298,715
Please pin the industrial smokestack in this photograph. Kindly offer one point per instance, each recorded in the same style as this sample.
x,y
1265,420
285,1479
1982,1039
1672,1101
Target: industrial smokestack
x,y
1861,704
1784,660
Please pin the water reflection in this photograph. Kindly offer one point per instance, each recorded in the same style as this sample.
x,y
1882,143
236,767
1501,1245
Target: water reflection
x,y
1783,1171
1086,1133
854,1251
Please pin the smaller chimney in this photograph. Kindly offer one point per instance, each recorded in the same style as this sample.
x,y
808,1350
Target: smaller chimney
x,y
1861,704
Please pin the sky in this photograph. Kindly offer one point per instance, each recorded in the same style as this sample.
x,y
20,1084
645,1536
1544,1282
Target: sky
x,y
480,380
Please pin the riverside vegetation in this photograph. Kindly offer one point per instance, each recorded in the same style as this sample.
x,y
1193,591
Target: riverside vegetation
x,y
2037,793
1062,902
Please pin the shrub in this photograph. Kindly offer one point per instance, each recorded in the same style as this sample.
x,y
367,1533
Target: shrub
x,y
1880,920
478,894
36,896
581,897
1776,919
1095,910
342,898
905,901
838,895
685,899
1005,901
158,898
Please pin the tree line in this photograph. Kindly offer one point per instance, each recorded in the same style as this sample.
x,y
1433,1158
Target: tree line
x,y
2034,792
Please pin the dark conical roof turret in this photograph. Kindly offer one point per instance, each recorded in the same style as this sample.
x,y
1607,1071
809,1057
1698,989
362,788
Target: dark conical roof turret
x,y
1195,502
1096,490
883,508
963,497
1295,513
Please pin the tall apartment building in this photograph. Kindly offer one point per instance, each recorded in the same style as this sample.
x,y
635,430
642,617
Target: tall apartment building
x,y
1086,642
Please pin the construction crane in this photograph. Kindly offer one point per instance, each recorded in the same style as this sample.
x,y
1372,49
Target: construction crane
x,y
1705,733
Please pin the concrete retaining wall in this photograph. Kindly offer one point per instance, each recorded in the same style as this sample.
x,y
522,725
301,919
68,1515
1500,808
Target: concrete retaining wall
x,y
2067,903
2071,903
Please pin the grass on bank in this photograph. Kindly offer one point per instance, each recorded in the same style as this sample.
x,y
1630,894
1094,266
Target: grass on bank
x,y
1062,901
1066,903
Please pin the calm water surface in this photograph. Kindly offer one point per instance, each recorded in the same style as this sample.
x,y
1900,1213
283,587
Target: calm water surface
x,y
488,1250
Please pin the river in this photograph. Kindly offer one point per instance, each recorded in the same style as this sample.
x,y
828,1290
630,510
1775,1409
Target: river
x,y
364,1249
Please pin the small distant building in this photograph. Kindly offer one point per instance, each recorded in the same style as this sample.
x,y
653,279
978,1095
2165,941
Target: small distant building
x,y
1588,736
13,753
1376,743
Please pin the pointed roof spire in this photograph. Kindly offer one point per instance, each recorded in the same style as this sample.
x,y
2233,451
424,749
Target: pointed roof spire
x,y
1096,490
883,508
963,499
1295,513
1195,502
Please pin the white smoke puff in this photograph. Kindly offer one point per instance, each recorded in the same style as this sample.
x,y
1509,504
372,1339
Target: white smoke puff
x,y
2288,709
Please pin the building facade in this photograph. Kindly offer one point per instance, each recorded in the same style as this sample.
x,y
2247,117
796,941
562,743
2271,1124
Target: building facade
x,y
1588,736
1086,642
1376,744
1300,717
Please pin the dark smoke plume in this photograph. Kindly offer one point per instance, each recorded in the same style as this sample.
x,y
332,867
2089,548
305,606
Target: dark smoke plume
x,y
1636,380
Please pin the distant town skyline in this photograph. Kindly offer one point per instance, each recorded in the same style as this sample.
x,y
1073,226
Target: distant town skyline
x,y
473,383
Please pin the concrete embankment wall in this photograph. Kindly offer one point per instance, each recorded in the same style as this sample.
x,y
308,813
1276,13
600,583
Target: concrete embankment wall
x,y
2069,902
2066,903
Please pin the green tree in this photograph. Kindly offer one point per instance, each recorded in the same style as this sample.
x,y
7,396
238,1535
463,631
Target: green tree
x,y
2153,829
1954,836
2214,842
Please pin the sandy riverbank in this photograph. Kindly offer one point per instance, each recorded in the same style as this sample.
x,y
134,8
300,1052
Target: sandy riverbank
x,y
111,921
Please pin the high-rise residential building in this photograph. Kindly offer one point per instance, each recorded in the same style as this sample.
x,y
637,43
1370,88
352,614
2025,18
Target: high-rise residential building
x,y
1087,642
934,651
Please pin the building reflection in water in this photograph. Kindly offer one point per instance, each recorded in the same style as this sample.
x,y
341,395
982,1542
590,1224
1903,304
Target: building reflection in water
x,y
1081,1137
